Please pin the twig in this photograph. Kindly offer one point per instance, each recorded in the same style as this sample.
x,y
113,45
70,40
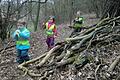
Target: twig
x,y
48,55
7,47
118,78
91,41
112,66
96,71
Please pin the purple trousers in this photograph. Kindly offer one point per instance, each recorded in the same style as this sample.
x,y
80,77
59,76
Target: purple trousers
x,y
50,42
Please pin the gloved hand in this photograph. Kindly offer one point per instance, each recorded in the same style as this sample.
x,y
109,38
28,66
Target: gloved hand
x,y
17,33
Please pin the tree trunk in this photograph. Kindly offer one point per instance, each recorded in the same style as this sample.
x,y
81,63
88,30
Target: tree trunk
x,y
37,17
112,8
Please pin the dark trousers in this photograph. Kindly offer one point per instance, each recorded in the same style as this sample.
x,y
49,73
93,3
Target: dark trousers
x,y
22,56
50,42
75,31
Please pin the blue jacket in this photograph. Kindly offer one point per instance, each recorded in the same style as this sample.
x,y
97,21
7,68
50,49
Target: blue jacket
x,y
21,36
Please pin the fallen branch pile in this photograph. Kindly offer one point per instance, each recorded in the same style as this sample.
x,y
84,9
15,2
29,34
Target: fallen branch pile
x,y
81,52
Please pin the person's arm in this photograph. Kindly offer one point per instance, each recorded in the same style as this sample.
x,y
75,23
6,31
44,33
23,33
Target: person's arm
x,y
25,34
74,21
55,30
16,34
43,26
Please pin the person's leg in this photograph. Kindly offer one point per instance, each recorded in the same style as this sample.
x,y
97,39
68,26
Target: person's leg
x,y
79,30
52,41
25,55
73,32
48,42
19,59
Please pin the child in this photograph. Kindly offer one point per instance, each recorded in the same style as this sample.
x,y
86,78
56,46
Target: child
x,y
51,32
21,35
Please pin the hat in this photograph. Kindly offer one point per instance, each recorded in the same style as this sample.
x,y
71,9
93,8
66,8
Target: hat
x,y
52,17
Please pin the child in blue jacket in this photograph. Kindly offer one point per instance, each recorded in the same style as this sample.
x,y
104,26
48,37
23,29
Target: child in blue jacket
x,y
21,36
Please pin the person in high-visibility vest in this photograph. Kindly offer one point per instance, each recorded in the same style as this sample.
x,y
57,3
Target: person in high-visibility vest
x,y
51,32
77,25
21,36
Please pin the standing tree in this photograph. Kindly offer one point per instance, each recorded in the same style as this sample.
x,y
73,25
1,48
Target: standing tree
x,y
37,10
13,10
112,8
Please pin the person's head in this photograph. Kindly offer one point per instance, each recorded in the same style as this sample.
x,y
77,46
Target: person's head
x,y
21,24
52,19
78,13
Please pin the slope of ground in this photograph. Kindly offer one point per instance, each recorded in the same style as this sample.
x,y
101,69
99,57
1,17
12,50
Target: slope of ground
x,y
8,65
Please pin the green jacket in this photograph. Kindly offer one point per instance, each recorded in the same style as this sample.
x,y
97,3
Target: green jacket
x,y
78,22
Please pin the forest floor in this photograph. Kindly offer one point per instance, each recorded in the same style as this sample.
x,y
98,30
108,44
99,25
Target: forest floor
x,y
8,65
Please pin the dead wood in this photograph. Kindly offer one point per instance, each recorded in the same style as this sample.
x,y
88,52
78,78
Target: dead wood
x,y
48,55
70,50
67,61
113,65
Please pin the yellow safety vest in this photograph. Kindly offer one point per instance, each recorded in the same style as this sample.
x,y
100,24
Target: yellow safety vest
x,y
49,30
